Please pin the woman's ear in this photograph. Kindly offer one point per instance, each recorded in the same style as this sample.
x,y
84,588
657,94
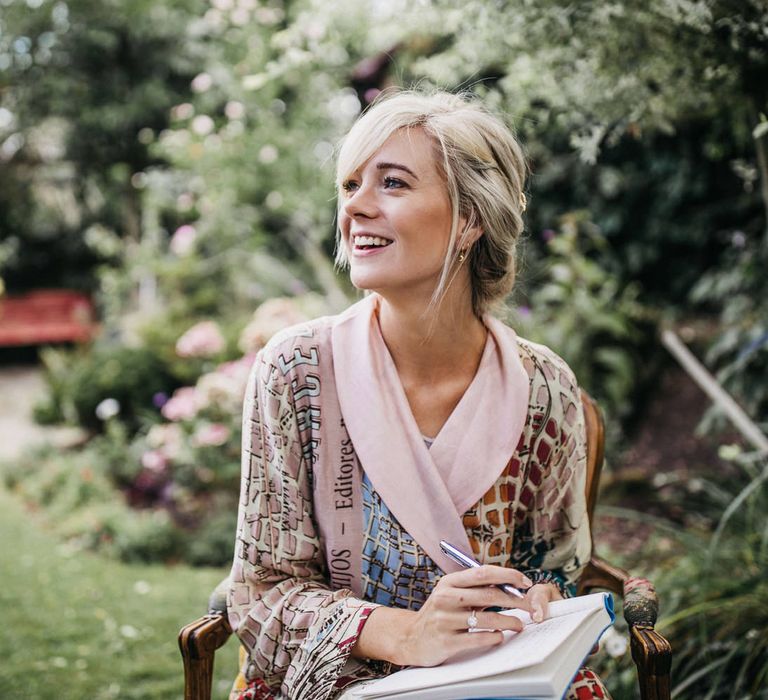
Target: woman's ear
x,y
470,229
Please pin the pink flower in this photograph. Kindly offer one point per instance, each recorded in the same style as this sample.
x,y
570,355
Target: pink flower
x,y
211,435
272,316
218,389
204,339
238,369
167,437
154,460
183,240
183,405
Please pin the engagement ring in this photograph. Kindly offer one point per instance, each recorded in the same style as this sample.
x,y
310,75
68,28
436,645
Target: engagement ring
x,y
471,621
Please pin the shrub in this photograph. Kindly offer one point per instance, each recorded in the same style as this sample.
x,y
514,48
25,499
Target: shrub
x,y
213,540
148,536
583,313
718,619
738,290
80,380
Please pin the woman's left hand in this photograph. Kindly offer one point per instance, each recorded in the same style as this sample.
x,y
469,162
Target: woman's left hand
x,y
538,598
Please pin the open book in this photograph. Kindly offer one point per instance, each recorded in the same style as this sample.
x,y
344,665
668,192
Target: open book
x,y
538,662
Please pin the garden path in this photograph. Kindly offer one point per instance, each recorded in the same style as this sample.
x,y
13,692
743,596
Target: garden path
x,y
21,387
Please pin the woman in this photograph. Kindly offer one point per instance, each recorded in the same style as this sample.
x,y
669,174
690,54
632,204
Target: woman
x,y
412,417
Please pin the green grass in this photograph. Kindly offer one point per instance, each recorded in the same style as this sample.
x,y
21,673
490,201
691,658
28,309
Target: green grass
x,y
83,627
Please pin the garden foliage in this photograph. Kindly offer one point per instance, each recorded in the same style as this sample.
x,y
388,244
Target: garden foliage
x,y
79,82
715,589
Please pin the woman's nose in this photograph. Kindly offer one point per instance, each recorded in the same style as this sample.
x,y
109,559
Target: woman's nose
x,y
361,202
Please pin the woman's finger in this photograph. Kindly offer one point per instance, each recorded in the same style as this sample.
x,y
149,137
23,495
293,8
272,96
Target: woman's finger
x,y
476,641
538,599
493,621
479,598
488,575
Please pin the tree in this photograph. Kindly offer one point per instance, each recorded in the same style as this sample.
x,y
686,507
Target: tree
x,y
81,81
617,81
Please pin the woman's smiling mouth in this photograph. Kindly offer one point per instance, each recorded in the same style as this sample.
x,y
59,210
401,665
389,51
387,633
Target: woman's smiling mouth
x,y
365,243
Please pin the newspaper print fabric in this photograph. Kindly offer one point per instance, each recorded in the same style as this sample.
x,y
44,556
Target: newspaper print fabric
x,y
297,632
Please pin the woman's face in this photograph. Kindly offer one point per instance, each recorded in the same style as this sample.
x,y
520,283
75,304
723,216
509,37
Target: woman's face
x,y
395,218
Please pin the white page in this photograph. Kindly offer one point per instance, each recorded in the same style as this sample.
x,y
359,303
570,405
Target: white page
x,y
538,681
529,647
558,608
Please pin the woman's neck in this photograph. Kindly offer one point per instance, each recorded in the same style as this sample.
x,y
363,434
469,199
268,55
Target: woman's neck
x,y
428,344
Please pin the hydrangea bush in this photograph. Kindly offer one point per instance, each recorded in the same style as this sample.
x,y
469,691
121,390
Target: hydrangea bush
x,y
179,467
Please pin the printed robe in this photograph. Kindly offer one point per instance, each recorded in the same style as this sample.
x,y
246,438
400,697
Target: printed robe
x,y
288,601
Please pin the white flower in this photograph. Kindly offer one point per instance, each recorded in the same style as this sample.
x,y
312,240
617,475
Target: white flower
x,y
202,125
614,643
7,119
182,111
234,110
183,240
274,200
268,154
240,17
255,81
202,82
729,452
142,587
107,409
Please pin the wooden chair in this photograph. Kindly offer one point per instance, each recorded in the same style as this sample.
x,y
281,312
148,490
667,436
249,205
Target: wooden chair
x,y
651,653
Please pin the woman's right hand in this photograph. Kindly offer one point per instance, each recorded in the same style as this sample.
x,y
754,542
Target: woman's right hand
x,y
439,630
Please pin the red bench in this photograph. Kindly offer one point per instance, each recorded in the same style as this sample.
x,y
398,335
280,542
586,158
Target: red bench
x,y
46,316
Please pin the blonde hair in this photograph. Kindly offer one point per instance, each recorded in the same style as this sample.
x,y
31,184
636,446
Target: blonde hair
x,y
484,169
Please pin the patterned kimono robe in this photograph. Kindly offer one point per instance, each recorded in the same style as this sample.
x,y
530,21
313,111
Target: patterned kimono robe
x,y
341,501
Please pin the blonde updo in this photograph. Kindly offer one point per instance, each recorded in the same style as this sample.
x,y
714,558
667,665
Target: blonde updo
x,y
484,169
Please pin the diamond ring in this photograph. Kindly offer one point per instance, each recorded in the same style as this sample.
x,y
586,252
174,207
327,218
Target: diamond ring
x,y
471,621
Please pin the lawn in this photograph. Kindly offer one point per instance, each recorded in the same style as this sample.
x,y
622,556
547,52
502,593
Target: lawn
x,y
82,627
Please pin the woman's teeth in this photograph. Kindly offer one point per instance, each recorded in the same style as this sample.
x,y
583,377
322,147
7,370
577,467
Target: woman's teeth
x,y
367,241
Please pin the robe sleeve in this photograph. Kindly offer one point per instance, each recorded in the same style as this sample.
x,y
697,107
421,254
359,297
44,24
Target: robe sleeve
x,y
297,632
553,544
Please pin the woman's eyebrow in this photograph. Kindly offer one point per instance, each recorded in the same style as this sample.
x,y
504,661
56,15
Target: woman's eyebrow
x,y
396,166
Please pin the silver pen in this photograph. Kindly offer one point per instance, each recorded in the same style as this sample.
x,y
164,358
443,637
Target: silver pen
x,y
463,559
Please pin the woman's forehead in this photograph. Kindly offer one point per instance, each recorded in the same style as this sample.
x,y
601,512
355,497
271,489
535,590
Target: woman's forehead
x,y
411,147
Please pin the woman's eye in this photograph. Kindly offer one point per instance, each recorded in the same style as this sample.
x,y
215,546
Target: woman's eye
x,y
393,183
349,186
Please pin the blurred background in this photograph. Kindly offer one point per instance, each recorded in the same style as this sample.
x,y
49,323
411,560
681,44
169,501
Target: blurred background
x,y
167,204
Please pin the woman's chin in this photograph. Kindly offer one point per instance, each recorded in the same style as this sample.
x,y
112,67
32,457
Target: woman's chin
x,y
366,281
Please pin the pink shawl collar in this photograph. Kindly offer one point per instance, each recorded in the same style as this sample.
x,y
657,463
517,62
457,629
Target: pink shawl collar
x,y
428,490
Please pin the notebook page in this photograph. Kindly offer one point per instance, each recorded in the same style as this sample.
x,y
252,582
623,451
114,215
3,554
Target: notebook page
x,y
558,608
519,650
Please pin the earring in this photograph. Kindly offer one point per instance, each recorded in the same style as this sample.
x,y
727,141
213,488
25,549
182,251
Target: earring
x,y
462,255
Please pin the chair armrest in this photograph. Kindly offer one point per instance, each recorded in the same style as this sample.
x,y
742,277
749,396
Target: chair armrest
x,y
651,652
198,642
652,655
600,574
